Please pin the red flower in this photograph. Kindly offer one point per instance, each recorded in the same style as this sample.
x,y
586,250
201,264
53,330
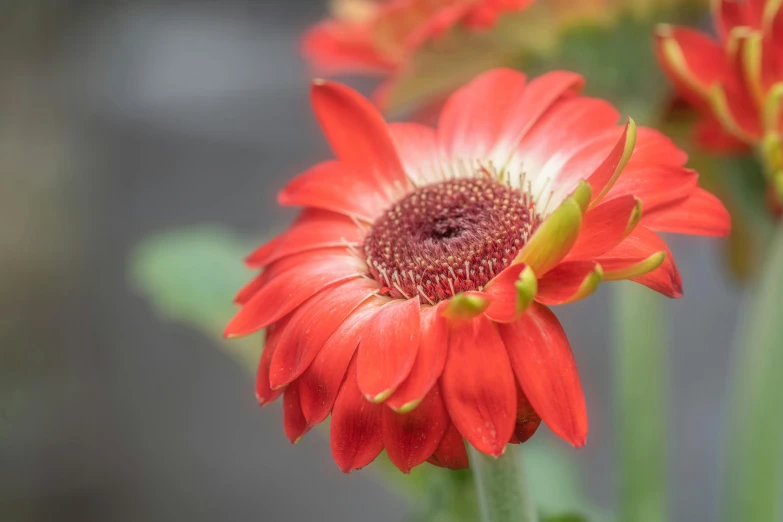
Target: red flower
x,y
379,36
410,298
736,81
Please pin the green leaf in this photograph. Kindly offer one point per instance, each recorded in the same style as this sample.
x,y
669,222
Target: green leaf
x,y
191,276
754,472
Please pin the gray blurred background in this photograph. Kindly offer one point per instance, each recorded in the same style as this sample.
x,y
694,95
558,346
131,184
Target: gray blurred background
x,y
119,119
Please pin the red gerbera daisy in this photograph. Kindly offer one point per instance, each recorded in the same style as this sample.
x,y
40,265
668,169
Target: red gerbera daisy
x,y
737,80
379,36
410,298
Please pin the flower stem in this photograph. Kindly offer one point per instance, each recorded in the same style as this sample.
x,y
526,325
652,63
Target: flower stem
x,y
754,471
641,377
502,488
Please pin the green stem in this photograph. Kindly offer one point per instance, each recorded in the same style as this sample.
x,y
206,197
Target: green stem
x,y
641,377
754,472
502,488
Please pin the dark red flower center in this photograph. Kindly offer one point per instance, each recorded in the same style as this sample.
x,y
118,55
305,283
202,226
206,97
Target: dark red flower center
x,y
449,237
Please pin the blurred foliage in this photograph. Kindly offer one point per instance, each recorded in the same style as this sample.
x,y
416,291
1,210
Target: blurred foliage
x,y
191,276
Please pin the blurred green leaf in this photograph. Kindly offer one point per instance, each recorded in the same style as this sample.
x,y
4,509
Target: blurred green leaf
x,y
191,275
754,472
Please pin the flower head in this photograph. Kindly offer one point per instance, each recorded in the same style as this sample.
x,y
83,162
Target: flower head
x,y
410,299
380,36
735,81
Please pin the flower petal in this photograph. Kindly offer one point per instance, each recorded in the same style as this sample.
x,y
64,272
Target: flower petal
x,y
430,359
264,393
417,146
294,422
290,289
335,186
357,427
652,146
388,348
311,325
568,282
528,107
411,438
605,226
655,185
314,229
358,135
320,382
475,116
451,453
555,236
338,48
644,258
607,173
510,293
543,363
693,61
701,214
465,306
478,385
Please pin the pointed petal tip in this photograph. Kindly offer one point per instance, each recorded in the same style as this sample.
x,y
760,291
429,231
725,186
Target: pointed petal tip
x,y
407,407
465,306
380,397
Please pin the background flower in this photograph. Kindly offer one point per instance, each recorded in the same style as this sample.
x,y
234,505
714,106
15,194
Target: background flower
x,y
736,81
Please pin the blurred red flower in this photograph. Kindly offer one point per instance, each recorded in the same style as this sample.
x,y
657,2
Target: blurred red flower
x,y
380,36
410,299
736,80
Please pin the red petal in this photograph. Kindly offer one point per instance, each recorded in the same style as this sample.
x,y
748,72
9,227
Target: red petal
x,y
388,348
294,422
534,101
559,134
250,289
289,289
411,438
505,304
701,214
568,281
430,359
605,226
728,15
638,246
655,185
358,135
451,452
313,229
711,136
418,149
356,427
606,174
335,186
478,385
543,363
320,382
264,393
654,147
311,325
337,48
475,116
693,61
